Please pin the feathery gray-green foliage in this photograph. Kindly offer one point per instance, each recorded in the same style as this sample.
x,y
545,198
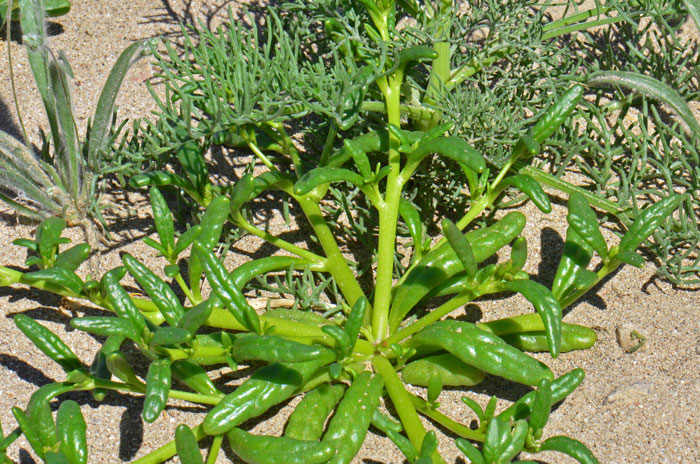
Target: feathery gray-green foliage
x,y
509,61
638,139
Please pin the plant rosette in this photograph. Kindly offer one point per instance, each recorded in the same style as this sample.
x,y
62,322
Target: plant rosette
x,y
397,330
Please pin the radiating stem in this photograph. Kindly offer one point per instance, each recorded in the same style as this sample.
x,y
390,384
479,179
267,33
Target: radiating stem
x,y
214,450
211,400
402,402
602,272
298,331
166,452
451,425
10,438
175,394
565,187
10,276
328,146
185,289
278,242
262,157
433,316
336,264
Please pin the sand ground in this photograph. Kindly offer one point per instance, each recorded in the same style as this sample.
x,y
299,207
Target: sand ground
x,y
632,408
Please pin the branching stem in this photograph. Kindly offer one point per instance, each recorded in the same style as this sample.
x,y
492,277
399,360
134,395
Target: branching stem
x,y
388,218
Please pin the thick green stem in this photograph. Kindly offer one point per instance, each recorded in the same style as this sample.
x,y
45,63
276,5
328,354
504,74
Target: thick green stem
x,y
10,277
388,218
175,394
336,264
215,448
298,331
475,209
223,319
453,426
403,403
440,72
261,156
531,322
414,113
280,136
10,438
554,182
211,400
466,71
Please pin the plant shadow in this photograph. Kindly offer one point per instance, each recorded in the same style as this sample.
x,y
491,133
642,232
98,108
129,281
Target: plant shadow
x,y
176,14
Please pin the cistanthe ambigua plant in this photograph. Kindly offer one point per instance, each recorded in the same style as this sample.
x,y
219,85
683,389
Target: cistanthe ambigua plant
x,y
387,326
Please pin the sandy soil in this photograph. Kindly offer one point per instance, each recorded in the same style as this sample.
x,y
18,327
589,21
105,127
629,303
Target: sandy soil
x,y
639,407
